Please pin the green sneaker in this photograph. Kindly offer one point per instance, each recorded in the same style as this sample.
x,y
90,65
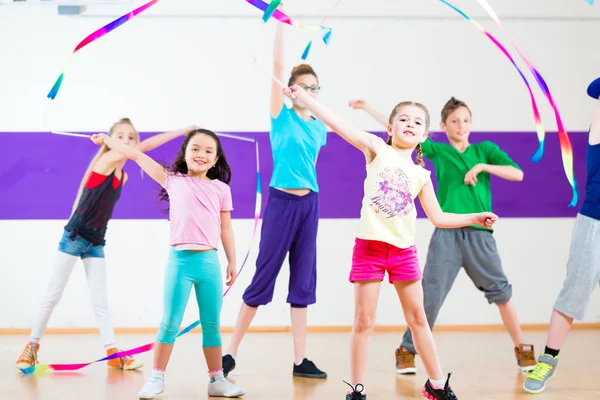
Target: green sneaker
x,y
544,370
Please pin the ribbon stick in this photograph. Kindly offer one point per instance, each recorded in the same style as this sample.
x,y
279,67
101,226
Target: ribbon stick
x,y
326,37
69,134
563,136
271,9
97,35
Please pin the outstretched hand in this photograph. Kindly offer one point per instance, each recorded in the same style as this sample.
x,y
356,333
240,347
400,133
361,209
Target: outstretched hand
x,y
98,138
357,104
486,219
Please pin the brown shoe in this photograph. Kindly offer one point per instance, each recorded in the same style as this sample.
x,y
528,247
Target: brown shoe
x,y
405,361
525,357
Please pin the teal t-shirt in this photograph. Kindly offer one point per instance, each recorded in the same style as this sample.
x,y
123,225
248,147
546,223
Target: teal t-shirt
x,y
295,144
451,166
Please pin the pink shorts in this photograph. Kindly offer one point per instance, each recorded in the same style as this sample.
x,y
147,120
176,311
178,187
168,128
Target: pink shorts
x,y
371,258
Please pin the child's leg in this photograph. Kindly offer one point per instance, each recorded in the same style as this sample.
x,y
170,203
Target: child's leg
x,y
95,271
177,285
483,265
275,240
366,297
583,274
209,295
411,298
302,286
444,261
560,325
63,267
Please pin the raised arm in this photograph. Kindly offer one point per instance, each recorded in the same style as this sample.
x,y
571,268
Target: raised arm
x,y
364,141
363,105
595,128
441,219
158,140
276,94
151,167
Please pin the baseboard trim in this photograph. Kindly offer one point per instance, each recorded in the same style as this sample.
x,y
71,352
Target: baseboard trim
x,y
311,329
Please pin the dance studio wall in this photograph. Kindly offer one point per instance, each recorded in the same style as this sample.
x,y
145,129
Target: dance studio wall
x,y
167,70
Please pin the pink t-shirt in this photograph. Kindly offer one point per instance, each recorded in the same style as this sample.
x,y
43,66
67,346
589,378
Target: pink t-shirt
x,y
195,209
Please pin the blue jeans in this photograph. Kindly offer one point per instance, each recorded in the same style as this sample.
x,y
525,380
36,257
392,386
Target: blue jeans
x,y
79,247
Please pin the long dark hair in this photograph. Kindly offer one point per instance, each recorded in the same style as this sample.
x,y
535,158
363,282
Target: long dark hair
x,y
220,171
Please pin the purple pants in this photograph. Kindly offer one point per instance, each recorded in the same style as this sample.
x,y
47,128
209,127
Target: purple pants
x,y
290,224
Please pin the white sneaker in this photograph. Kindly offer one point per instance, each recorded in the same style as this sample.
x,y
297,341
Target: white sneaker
x,y
152,388
221,387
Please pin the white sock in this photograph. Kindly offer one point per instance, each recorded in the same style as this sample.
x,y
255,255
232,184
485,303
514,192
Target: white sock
x,y
216,374
34,340
110,346
158,374
437,384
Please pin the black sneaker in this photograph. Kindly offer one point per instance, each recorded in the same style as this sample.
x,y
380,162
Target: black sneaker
x,y
308,369
356,394
439,394
228,364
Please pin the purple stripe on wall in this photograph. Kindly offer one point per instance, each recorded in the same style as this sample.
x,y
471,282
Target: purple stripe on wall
x,y
40,174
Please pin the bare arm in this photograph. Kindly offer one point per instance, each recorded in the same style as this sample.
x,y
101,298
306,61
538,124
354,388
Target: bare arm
x,y
276,94
364,141
595,128
158,140
507,172
363,105
151,167
228,245
441,219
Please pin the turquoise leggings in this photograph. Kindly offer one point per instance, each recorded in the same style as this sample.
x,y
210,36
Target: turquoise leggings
x,y
184,270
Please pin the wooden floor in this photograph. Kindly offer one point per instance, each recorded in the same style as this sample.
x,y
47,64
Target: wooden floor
x,y
482,362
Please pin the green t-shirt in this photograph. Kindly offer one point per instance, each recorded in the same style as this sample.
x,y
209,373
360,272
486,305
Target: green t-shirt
x,y
451,166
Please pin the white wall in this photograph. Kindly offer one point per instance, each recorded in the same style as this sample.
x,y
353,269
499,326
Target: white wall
x,y
176,66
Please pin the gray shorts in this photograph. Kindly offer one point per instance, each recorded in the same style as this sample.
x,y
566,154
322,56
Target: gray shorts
x,y
583,269
475,251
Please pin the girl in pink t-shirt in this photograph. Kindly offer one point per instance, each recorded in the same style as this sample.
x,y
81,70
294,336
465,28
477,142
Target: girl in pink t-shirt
x,y
200,214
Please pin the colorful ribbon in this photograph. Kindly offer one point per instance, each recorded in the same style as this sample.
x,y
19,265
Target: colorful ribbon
x,y
97,35
282,17
590,2
327,35
565,143
270,9
124,353
258,202
563,136
150,346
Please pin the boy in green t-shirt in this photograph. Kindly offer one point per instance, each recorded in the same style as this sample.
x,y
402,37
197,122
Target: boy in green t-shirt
x,y
463,173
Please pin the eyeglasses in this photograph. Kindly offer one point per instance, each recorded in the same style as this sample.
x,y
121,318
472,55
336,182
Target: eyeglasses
x,y
314,89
